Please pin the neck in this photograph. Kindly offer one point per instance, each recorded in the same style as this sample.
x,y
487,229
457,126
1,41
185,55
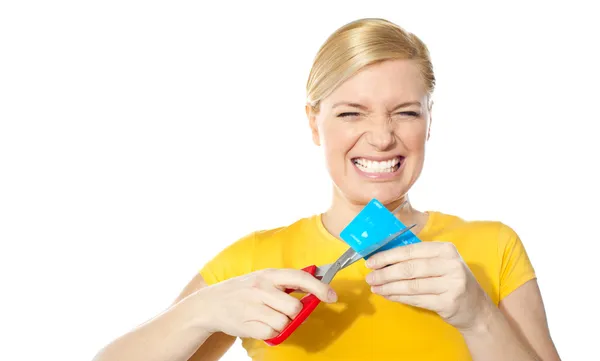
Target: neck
x,y
342,211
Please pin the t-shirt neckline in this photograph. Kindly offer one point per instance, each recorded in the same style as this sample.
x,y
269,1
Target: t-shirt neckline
x,y
318,219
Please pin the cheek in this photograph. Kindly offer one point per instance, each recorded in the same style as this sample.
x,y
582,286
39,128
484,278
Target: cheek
x,y
413,136
337,141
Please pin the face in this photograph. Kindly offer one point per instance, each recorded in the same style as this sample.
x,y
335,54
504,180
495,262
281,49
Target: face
x,y
373,130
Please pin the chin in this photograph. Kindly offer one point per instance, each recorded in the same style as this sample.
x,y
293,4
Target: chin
x,y
386,194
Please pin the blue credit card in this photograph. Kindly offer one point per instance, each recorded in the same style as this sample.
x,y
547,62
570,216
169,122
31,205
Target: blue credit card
x,y
372,225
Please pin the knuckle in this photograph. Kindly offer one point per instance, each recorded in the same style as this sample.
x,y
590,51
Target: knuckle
x,y
409,269
268,272
266,332
260,277
295,307
255,282
455,266
450,249
375,277
417,302
245,309
450,307
307,280
461,288
257,330
384,289
437,306
384,258
410,250
387,274
453,297
414,285
281,321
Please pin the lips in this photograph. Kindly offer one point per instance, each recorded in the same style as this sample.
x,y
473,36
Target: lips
x,y
368,165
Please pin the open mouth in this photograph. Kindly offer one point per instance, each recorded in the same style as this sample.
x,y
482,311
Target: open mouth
x,y
373,166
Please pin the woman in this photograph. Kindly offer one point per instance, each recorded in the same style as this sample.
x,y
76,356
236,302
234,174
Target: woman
x,y
468,291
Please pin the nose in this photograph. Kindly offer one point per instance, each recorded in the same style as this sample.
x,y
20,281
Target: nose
x,y
381,134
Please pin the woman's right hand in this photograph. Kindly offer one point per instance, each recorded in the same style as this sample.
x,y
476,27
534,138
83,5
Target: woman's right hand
x,y
256,305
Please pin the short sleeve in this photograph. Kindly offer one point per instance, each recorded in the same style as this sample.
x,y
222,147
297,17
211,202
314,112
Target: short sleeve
x,y
233,261
515,265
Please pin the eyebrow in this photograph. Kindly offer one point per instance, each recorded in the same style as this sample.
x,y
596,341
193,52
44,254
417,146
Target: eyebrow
x,y
360,106
355,105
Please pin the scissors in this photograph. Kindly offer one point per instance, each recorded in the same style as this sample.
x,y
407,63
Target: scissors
x,y
325,274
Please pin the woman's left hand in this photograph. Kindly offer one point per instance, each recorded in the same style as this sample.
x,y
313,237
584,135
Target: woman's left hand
x,y
430,275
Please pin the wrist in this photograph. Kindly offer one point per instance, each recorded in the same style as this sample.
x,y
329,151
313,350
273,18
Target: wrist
x,y
483,319
197,307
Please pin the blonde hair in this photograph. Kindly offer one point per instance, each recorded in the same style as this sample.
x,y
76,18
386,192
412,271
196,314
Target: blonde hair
x,y
361,43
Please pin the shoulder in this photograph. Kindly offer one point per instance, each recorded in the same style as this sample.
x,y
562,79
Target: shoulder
x,y
242,255
274,236
492,249
476,239
448,225
262,238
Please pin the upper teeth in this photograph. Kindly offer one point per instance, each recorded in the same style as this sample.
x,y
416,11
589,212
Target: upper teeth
x,y
377,165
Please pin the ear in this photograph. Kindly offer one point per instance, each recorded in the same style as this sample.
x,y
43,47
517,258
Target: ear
x,y
312,123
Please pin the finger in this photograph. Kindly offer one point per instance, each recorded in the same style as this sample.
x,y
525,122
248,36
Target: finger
x,y
417,286
281,302
429,302
412,251
265,314
414,268
298,279
259,330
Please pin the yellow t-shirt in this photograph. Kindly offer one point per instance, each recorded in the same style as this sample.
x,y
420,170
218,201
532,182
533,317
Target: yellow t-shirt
x,y
361,325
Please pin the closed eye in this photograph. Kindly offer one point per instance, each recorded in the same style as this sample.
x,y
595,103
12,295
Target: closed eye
x,y
410,114
348,114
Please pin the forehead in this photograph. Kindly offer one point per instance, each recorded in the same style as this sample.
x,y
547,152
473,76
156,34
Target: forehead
x,y
386,82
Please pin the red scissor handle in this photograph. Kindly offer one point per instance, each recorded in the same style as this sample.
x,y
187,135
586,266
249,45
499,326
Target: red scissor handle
x,y
309,303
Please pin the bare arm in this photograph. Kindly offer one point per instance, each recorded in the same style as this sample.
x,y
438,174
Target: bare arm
x,y
197,325
215,346
516,330
170,336
524,311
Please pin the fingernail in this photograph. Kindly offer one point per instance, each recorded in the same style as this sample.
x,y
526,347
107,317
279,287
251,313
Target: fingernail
x,y
332,296
370,263
369,278
375,289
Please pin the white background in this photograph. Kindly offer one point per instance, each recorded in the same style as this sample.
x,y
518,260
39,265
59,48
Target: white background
x,y
139,138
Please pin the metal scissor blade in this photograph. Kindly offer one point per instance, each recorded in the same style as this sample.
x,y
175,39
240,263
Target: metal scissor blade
x,y
321,270
338,265
370,250
351,256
